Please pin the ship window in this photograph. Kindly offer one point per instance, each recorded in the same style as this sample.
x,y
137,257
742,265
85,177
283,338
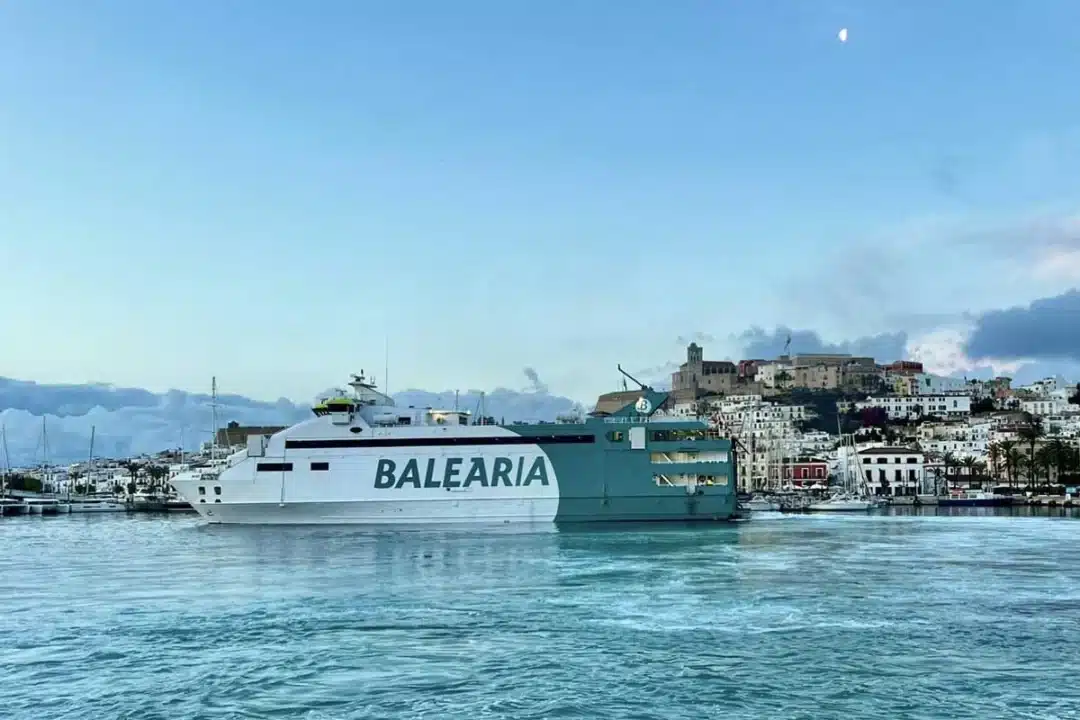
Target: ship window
x,y
615,436
217,489
317,466
404,420
202,490
273,467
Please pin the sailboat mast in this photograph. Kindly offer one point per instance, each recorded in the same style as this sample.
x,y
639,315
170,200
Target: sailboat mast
x,y
213,411
7,461
90,461
44,454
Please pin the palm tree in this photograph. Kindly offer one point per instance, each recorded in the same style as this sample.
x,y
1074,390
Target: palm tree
x,y
933,457
1007,453
156,473
1061,457
1014,465
1031,434
73,483
1044,460
994,453
969,463
948,460
1024,466
133,469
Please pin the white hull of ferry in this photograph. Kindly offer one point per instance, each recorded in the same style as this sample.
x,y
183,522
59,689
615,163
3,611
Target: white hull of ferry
x,y
383,486
381,512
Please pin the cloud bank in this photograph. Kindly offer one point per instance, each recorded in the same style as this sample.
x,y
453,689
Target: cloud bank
x,y
758,343
133,421
1046,329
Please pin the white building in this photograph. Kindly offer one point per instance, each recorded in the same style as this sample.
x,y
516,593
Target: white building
x,y
892,470
928,384
1045,406
1043,387
768,374
961,439
912,407
1065,426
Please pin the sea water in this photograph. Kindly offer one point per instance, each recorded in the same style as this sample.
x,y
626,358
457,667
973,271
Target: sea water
x,y
957,615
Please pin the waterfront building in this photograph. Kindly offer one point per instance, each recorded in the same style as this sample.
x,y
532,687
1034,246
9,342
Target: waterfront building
x,y
892,471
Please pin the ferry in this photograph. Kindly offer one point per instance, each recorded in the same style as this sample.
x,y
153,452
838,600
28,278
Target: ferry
x,y
363,460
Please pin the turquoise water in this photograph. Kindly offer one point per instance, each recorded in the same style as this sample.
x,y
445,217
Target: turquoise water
x,y
964,616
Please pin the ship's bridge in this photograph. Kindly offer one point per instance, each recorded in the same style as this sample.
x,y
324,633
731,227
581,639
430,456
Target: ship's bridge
x,y
365,393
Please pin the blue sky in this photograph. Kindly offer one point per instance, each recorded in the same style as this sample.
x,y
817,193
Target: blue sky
x,y
265,191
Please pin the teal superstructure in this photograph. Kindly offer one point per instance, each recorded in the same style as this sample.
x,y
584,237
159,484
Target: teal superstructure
x,y
641,466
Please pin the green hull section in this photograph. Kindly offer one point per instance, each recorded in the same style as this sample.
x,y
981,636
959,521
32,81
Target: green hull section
x,y
640,470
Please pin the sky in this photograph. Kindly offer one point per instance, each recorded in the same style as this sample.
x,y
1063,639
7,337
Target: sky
x,y
281,193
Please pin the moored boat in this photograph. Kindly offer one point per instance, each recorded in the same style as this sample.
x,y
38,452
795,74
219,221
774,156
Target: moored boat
x,y
844,503
974,498
42,506
363,460
96,504
12,506
760,503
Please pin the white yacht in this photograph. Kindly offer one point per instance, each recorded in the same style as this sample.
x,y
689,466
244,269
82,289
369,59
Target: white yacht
x,y
96,504
843,502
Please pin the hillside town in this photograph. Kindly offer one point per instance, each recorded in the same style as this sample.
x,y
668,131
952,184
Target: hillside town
x,y
915,433
795,423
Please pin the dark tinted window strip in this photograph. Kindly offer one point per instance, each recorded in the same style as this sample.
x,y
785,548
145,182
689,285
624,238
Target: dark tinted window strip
x,y
317,466
442,441
274,467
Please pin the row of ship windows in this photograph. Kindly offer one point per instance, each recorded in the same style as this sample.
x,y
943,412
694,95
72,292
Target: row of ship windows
x,y
287,467
663,435
202,491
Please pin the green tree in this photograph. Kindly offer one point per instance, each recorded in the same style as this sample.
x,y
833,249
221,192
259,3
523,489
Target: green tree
x,y
969,463
948,460
1030,433
994,454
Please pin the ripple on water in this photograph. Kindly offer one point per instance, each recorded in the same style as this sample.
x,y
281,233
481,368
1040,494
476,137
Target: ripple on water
x,y
808,617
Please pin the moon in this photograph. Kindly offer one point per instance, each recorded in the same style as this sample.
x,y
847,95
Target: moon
x,y
842,35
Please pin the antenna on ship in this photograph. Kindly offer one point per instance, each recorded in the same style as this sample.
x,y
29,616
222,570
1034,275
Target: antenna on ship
x,y
637,382
386,366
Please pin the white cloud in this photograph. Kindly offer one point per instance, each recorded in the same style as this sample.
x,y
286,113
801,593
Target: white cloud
x,y
1057,265
941,352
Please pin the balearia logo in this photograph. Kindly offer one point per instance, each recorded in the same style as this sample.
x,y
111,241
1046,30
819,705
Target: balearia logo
x,y
461,473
